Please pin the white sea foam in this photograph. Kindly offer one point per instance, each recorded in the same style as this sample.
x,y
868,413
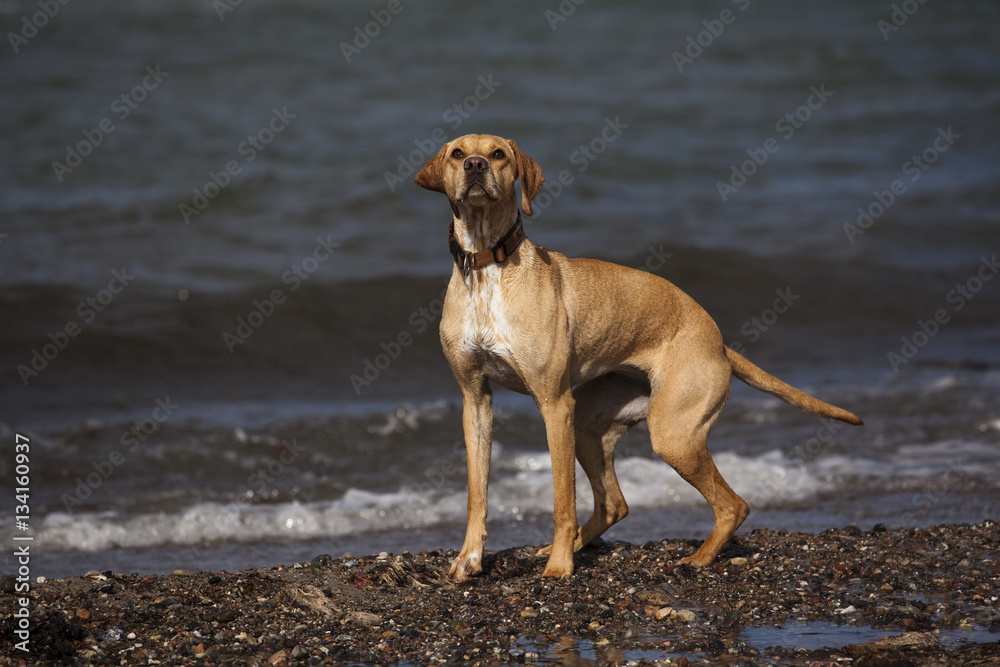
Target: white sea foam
x,y
522,486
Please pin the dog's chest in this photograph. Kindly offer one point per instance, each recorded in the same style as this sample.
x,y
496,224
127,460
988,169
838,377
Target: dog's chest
x,y
487,331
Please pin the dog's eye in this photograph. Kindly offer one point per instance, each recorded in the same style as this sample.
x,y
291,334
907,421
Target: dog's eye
x,y
498,154
457,153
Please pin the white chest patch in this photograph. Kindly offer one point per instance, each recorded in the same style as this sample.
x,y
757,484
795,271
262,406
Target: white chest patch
x,y
485,327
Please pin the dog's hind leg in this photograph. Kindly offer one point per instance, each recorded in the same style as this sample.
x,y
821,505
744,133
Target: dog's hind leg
x,y
606,407
682,410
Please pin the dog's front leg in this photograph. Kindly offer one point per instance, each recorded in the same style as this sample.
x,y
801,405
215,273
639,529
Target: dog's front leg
x,y
477,422
557,412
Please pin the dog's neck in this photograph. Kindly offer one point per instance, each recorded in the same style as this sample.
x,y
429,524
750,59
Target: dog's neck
x,y
479,228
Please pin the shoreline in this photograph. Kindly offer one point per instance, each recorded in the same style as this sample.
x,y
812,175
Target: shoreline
x,y
922,596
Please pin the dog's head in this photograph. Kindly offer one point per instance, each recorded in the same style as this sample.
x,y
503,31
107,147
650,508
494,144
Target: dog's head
x,y
479,170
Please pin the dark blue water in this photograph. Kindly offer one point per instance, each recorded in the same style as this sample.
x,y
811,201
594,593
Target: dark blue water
x,y
213,210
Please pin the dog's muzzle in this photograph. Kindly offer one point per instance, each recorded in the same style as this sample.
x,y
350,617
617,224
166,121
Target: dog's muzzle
x,y
477,172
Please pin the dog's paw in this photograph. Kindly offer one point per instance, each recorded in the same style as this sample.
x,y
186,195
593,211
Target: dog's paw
x,y
464,567
558,570
695,561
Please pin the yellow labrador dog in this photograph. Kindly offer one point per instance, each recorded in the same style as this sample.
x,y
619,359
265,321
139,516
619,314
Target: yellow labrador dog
x,y
598,346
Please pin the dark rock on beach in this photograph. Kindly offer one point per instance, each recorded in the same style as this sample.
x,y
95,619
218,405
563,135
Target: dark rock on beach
x,y
882,597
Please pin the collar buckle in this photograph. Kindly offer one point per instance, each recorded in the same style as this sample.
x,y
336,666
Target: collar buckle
x,y
505,247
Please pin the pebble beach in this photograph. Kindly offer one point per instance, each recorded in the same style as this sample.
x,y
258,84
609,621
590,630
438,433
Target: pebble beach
x,y
840,597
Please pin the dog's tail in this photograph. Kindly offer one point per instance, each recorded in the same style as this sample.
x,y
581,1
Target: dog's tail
x,y
762,381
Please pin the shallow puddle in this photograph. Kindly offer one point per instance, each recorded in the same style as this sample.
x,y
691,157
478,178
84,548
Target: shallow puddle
x,y
821,634
805,636
813,636
583,652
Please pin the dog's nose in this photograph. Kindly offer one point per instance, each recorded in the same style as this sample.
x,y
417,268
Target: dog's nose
x,y
475,164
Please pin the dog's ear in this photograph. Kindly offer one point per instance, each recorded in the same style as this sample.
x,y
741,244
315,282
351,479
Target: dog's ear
x,y
431,176
531,178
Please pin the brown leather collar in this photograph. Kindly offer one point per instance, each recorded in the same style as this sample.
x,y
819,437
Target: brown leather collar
x,y
504,248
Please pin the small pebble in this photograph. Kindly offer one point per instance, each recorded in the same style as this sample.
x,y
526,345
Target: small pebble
x,y
665,612
112,635
365,618
279,659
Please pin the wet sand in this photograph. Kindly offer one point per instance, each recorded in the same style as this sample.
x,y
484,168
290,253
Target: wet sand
x,y
901,597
